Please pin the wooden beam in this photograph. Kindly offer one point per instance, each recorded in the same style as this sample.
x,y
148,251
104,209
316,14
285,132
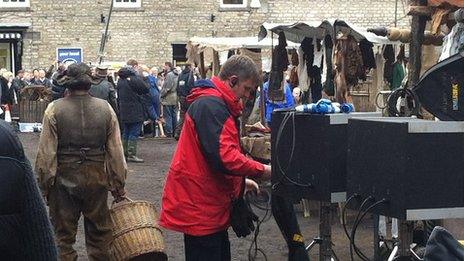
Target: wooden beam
x,y
415,47
202,65
420,10
216,63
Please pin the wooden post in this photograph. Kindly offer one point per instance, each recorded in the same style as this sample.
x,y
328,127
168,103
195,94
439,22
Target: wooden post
x,y
405,237
202,65
415,47
216,63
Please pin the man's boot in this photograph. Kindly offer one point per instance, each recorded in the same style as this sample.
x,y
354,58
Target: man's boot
x,y
132,152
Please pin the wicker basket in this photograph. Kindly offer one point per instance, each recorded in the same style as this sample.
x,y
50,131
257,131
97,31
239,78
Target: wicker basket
x,y
135,231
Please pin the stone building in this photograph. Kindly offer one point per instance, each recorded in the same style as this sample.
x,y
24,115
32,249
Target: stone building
x,y
154,31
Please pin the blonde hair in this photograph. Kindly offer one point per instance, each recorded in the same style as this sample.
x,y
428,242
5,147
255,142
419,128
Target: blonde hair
x,y
7,74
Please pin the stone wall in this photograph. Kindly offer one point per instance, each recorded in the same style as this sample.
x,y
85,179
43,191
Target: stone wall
x,y
147,33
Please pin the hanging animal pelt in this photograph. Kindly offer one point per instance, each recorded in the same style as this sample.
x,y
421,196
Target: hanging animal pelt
x,y
279,66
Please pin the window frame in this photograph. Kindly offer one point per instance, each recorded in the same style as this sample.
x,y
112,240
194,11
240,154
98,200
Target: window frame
x,y
233,6
137,4
9,4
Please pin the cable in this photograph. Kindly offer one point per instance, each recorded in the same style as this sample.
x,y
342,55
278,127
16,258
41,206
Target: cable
x,y
377,102
288,115
344,215
410,98
261,201
357,216
344,221
355,227
254,249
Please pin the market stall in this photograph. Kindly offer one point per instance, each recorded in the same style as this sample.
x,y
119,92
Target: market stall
x,y
204,51
357,56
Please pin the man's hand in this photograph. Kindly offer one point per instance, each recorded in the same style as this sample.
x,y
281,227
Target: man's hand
x,y
118,195
266,173
161,120
251,185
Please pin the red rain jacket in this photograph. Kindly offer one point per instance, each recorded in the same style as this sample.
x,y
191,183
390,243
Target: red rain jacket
x,y
208,168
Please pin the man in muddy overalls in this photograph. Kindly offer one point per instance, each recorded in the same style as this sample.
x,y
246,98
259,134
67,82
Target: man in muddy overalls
x,y
80,158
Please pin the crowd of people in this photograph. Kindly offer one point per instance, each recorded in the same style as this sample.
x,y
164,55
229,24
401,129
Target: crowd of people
x,y
12,85
157,101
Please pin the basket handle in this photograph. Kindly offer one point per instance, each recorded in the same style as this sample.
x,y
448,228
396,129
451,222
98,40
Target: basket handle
x,y
121,199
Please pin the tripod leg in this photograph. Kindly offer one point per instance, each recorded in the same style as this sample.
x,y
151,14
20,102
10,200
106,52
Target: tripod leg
x,y
311,245
325,230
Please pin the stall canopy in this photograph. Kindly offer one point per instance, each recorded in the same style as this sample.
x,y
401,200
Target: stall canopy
x,y
457,3
296,32
226,43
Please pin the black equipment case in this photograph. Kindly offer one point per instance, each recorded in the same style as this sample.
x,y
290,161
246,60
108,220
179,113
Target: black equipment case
x,y
416,165
317,167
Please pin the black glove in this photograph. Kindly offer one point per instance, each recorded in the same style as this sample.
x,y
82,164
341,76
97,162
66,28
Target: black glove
x,y
242,217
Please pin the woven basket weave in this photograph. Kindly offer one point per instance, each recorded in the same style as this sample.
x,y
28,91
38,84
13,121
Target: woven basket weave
x,y
135,230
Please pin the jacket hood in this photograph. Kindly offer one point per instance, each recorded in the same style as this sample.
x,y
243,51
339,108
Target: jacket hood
x,y
10,146
126,72
215,87
186,70
175,72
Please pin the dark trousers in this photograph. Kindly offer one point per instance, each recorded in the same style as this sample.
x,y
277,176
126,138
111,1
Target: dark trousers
x,y
184,105
285,217
131,131
214,247
170,115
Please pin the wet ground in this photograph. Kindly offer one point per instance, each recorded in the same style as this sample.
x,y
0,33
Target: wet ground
x,y
145,182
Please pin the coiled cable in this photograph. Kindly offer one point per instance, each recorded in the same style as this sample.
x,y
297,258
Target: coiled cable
x,y
409,100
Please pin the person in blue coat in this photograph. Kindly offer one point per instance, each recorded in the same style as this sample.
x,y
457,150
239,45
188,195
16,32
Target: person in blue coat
x,y
273,105
154,110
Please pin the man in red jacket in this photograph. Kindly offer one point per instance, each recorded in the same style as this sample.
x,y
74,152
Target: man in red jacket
x,y
208,169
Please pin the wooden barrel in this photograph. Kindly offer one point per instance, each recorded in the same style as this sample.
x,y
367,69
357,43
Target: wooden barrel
x,y
136,231
32,111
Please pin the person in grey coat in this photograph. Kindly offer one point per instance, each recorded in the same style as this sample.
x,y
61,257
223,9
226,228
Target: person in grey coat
x,y
169,99
104,89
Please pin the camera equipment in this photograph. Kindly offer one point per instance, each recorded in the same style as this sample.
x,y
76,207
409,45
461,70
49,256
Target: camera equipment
x,y
440,89
415,165
309,154
404,168
309,161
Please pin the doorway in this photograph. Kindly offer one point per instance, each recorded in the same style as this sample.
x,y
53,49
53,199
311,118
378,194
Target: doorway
x,y
179,54
5,56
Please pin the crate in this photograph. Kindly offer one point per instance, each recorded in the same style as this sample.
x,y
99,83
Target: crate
x,y
32,111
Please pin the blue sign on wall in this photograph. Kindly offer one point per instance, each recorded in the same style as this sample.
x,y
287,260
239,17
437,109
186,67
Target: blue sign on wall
x,y
69,55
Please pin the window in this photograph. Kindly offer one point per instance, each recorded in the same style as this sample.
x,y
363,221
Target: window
x,y
128,3
233,3
14,3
